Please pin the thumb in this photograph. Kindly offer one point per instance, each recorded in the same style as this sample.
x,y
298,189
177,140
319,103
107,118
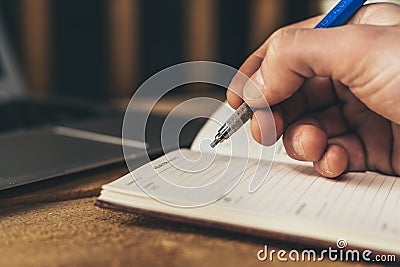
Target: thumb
x,y
294,55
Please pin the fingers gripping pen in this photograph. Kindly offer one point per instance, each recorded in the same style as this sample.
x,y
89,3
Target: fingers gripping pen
x,y
339,15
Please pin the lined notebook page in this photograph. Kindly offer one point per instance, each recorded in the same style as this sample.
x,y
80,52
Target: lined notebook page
x,y
364,201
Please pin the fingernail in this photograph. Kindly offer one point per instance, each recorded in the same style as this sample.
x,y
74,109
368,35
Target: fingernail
x,y
298,145
252,88
325,166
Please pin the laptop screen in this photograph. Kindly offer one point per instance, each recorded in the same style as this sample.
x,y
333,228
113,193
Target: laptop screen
x,y
1,69
11,85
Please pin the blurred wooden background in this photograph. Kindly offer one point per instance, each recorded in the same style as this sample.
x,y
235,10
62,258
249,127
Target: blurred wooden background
x,y
105,48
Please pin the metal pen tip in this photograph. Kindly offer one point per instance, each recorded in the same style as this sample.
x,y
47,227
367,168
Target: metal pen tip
x,y
214,143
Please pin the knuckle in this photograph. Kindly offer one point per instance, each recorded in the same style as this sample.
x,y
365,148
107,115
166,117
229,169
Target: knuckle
x,y
281,41
368,34
365,34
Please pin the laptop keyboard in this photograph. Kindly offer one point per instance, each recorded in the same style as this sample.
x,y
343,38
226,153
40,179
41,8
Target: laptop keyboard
x,y
22,115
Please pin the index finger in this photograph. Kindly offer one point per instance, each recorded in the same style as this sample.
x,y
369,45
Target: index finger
x,y
234,93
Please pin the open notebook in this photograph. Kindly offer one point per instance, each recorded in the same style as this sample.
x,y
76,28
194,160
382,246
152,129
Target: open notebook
x,y
292,203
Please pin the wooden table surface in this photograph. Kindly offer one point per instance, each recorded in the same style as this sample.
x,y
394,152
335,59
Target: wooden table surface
x,y
54,223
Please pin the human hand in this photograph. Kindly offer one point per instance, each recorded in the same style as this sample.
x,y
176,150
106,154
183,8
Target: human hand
x,y
334,93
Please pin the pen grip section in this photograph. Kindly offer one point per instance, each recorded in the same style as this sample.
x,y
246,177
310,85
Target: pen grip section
x,y
241,116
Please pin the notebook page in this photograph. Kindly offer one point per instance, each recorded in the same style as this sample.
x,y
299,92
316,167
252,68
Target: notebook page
x,y
360,202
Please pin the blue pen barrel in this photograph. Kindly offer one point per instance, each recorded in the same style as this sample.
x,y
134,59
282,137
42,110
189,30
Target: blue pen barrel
x,y
341,13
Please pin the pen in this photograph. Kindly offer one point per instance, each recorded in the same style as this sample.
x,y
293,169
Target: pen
x,y
339,15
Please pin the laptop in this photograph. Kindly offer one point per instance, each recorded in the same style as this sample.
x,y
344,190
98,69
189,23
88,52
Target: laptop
x,y
42,139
